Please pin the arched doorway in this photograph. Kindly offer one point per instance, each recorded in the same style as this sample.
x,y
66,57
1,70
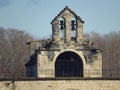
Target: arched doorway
x,y
68,64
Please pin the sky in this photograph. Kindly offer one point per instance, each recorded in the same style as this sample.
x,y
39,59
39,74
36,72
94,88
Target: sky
x,y
34,16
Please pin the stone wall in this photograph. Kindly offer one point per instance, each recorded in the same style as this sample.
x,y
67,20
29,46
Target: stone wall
x,y
58,84
44,54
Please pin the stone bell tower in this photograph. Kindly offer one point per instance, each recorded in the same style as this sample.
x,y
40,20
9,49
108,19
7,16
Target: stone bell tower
x,y
67,27
67,54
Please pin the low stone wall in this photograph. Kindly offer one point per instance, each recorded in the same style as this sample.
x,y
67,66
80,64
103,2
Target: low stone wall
x,y
60,84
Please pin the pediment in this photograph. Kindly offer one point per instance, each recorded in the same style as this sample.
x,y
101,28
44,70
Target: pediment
x,y
67,12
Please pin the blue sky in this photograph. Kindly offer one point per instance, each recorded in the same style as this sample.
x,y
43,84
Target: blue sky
x,y
34,16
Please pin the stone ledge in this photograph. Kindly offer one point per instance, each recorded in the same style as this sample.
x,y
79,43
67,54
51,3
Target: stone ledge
x,y
53,79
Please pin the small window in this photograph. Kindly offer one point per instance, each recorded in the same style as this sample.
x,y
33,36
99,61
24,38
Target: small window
x,y
73,29
61,27
73,25
61,24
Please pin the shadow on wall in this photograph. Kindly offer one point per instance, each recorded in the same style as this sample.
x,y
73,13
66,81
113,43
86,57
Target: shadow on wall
x,y
31,66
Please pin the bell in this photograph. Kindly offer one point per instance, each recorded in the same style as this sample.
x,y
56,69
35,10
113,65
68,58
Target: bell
x,y
61,22
62,25
73,28
73,25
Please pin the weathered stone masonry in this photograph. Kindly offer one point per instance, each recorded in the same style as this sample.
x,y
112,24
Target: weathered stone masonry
x,y
67,54
60,85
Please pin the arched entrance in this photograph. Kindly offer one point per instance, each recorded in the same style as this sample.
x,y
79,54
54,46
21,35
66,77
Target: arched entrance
x,y
68,64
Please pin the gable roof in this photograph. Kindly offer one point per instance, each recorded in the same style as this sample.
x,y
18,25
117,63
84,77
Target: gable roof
x,y
67,8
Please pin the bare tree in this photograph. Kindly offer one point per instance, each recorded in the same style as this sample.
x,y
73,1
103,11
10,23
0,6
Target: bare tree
x,y
13,52
110,46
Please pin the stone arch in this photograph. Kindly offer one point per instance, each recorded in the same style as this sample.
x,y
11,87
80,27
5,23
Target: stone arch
x,y
77,52
69,63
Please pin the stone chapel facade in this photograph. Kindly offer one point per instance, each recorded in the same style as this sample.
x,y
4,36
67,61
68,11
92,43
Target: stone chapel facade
x,y
67,54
